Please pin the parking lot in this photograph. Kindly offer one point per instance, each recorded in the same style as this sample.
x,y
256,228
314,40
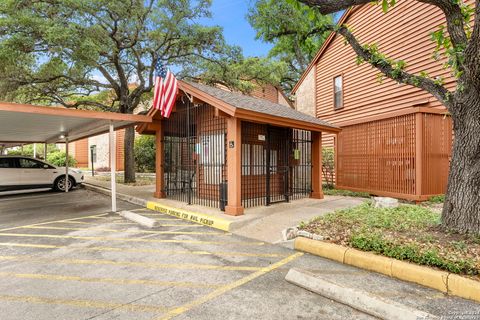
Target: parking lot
x,y
74,260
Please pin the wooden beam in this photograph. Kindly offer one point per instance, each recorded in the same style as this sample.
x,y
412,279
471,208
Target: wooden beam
x,y
317,191
159,161
234,173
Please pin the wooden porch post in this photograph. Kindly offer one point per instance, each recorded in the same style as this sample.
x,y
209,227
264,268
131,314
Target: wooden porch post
x,y
234,161
418,154
159,160
317,192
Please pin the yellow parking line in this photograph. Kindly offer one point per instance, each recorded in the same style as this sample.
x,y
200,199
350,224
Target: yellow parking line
x,y
222,290
43,223
107,280
242,243
84,303
154,265
90,223
143,250
131,231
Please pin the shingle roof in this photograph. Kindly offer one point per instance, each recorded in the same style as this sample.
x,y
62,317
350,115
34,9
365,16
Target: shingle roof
x,y
246,102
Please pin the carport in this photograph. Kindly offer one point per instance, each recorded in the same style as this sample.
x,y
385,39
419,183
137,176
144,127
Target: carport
x,y
25,124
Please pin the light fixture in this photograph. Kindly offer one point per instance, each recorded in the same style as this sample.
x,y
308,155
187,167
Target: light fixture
x,y
62,136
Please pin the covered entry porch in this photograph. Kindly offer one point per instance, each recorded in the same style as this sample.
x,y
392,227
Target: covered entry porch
x,y
231,151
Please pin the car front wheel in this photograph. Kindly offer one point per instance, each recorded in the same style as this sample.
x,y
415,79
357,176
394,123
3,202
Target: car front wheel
x,y
60,184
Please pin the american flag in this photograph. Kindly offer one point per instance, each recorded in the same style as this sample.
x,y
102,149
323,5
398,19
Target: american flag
x,y
166,88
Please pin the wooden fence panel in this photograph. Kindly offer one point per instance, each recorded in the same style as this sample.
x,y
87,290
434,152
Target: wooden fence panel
x,y
380,156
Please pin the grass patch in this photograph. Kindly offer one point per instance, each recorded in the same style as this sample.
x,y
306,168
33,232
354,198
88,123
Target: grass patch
x,y
345,193
437,199
408,232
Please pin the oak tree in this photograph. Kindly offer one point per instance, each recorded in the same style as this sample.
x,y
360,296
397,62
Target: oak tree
x,y
62,51
295,38
459,41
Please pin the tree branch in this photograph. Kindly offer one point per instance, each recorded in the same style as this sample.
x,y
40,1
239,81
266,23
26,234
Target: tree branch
x,y
452,11
394,72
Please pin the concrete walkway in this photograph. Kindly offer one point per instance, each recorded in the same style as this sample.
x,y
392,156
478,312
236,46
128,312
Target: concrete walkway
x,y
262,223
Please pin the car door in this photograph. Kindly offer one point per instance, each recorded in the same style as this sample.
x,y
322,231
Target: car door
x,y
36,173
9,174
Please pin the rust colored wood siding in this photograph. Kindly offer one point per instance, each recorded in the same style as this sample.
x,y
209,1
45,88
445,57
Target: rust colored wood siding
x,y
402,33
81,153
120,143
405,156
267,92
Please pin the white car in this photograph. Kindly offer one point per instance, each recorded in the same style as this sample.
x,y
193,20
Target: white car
x,y
19,173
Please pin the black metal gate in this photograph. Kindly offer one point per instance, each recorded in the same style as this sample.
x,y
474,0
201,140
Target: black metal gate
x,y
277,148
276,164
195,154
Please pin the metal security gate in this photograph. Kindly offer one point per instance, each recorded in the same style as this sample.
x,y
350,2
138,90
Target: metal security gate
x,y
195,154
277,149
276,164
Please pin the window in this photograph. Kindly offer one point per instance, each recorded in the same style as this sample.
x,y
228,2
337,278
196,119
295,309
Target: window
x,y
6,163
253,160
338,92
30,164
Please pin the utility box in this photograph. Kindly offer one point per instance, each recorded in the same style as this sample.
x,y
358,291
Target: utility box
x,y
223,191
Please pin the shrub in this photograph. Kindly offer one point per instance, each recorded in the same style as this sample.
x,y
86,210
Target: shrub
x,y
57,158
437,199
27,150
328,166
144,152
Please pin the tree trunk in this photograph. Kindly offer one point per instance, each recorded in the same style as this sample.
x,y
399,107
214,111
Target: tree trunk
x,y
461,211
129,155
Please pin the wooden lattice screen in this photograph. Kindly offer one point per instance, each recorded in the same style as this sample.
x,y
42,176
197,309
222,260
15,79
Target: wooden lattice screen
x,y
405,156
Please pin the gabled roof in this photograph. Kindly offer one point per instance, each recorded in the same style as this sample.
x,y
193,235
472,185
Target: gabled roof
x,y
249,108
324,47
263,106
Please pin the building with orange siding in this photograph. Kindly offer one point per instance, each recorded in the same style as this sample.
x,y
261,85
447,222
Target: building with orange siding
x,y
395,139
81,149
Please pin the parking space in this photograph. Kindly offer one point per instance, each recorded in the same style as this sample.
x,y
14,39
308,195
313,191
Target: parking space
x,y
100,266
35,207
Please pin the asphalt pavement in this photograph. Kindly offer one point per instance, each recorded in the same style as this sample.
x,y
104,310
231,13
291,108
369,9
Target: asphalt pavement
x,y
65,257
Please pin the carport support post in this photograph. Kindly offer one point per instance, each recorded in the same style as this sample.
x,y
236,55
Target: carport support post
x,y
317,192
66,164
113,169
234,171
45,152
159,160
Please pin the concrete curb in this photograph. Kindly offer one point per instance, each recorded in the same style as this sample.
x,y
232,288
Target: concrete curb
x,y
124,197
443,281
357,299
200,218
141,220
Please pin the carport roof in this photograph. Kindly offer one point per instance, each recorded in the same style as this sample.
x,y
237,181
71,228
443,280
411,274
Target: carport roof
x,y
20,123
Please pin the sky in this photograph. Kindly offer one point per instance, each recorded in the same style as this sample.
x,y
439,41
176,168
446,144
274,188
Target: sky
x,y
231,15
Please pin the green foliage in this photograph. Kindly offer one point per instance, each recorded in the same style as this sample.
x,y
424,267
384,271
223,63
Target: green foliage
x,y
375,242
330,191
57,158
295,30
55,53
145,153
407,232
328,166
27,150
437,199
236,72
387,4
